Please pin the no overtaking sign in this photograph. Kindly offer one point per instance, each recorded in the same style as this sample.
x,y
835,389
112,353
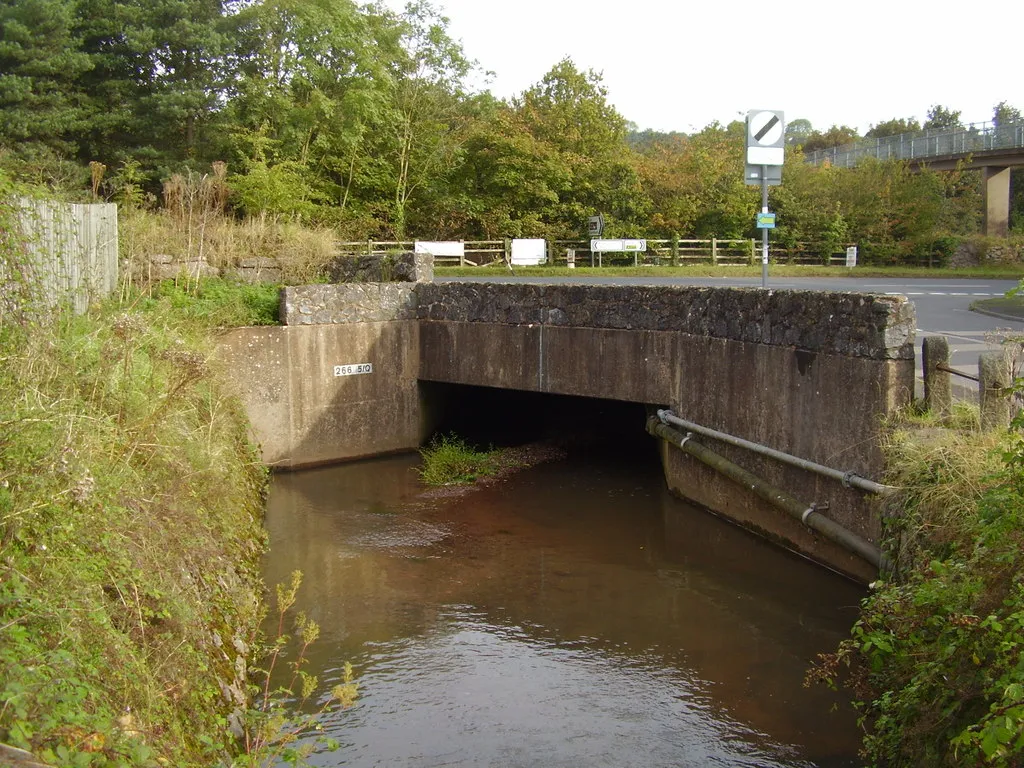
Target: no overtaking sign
x,y
766,137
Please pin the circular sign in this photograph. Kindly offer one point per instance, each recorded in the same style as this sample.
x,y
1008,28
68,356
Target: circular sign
x,y
766,128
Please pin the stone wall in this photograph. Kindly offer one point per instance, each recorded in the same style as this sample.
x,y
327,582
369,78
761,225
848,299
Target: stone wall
x,y
860,325
382,268
348,303
378,268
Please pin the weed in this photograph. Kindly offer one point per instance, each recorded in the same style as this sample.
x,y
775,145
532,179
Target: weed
x,y
449,460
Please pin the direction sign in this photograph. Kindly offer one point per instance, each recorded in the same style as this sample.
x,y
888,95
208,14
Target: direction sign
x,y
595,225
766,137
618,246
766,221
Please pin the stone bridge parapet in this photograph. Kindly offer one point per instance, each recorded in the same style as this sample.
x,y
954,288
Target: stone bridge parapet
x,y
860,325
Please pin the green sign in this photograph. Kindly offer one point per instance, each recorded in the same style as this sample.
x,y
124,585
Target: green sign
x,y
766,221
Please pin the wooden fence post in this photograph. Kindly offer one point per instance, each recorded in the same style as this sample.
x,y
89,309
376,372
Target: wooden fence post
x,y
675,249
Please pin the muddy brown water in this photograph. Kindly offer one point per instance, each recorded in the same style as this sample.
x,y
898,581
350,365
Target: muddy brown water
x,y
574,614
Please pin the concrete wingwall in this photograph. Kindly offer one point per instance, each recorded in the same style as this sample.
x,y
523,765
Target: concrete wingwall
x,y
306,401
811,374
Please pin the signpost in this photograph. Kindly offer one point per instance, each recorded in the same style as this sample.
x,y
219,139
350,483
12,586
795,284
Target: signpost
x,y
766,150
636,247
595,225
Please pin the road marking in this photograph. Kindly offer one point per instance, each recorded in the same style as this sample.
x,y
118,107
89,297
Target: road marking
x,y
936,293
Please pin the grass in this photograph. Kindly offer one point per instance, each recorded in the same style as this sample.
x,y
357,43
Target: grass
x,y
1002,306
449,460
212,303
130,535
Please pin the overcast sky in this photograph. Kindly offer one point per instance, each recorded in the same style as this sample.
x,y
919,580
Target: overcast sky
x,y
681,64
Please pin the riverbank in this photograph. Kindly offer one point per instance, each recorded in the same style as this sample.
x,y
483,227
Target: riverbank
x,y
934,660
131,505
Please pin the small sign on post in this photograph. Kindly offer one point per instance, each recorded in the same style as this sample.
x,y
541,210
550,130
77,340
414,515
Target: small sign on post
x,y
851,256
766,152
570,258
595,225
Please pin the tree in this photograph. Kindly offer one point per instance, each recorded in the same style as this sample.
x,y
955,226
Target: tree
x,y
155,79
420,134
310,84
893,127
836,136
568,110
41,103
798,131
941,118
1003,114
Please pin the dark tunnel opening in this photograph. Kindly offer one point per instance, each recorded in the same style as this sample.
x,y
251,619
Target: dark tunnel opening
x,y
486,416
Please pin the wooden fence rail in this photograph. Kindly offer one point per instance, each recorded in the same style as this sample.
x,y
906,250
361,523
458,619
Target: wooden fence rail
x,y
70,250
481,253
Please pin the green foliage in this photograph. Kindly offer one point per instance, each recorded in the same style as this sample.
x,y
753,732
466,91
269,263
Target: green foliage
x,y
40,102
936,659
129,544
449,460
942,118
893,127
272,734
215,303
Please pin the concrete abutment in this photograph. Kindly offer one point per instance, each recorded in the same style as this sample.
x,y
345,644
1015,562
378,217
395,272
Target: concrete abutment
x,y
810,374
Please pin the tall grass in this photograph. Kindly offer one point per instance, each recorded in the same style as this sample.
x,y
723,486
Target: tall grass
x,y
130,510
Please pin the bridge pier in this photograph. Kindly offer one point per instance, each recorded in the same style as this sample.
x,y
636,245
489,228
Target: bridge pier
x,y
997,200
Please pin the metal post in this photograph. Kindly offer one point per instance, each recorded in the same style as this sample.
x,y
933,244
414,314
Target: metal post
x,y
764,232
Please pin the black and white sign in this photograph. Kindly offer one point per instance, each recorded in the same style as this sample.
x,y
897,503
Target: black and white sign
x,y
353,370
766,137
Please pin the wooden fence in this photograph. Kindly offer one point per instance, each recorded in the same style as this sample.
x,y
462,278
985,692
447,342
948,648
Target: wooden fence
x,y
482,253
70,249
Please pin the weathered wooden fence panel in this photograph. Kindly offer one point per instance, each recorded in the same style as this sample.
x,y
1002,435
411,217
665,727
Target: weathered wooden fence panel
x,y
72,250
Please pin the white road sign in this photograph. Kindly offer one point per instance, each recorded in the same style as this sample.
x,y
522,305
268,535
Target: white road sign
x,y
766,137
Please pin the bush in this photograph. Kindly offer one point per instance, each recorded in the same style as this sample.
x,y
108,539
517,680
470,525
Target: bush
x,y
936,661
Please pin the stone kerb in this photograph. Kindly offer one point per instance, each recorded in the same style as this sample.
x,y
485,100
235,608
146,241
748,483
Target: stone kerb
x,y
348,303
857,325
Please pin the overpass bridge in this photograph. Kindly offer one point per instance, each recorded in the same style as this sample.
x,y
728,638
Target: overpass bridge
x,y
992,148
365,369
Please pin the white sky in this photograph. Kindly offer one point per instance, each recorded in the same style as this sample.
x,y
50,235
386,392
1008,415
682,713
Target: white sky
x,y
680,65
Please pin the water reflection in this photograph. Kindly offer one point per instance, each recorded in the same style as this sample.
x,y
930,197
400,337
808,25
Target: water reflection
x,y
575,614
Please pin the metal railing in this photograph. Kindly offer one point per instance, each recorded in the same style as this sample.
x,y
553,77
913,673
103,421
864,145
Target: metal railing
x,y
976,137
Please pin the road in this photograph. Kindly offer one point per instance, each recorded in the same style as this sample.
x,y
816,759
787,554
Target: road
x,y
943,306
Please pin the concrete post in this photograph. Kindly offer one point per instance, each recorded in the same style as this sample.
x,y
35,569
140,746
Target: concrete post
x,y
997,201
994,390
675,249
938,386
714,250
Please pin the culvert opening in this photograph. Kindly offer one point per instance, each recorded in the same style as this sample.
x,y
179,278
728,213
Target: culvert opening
x,y
485,416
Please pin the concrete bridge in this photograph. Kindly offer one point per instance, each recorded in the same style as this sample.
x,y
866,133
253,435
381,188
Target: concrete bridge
x,y
994,149
354,371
